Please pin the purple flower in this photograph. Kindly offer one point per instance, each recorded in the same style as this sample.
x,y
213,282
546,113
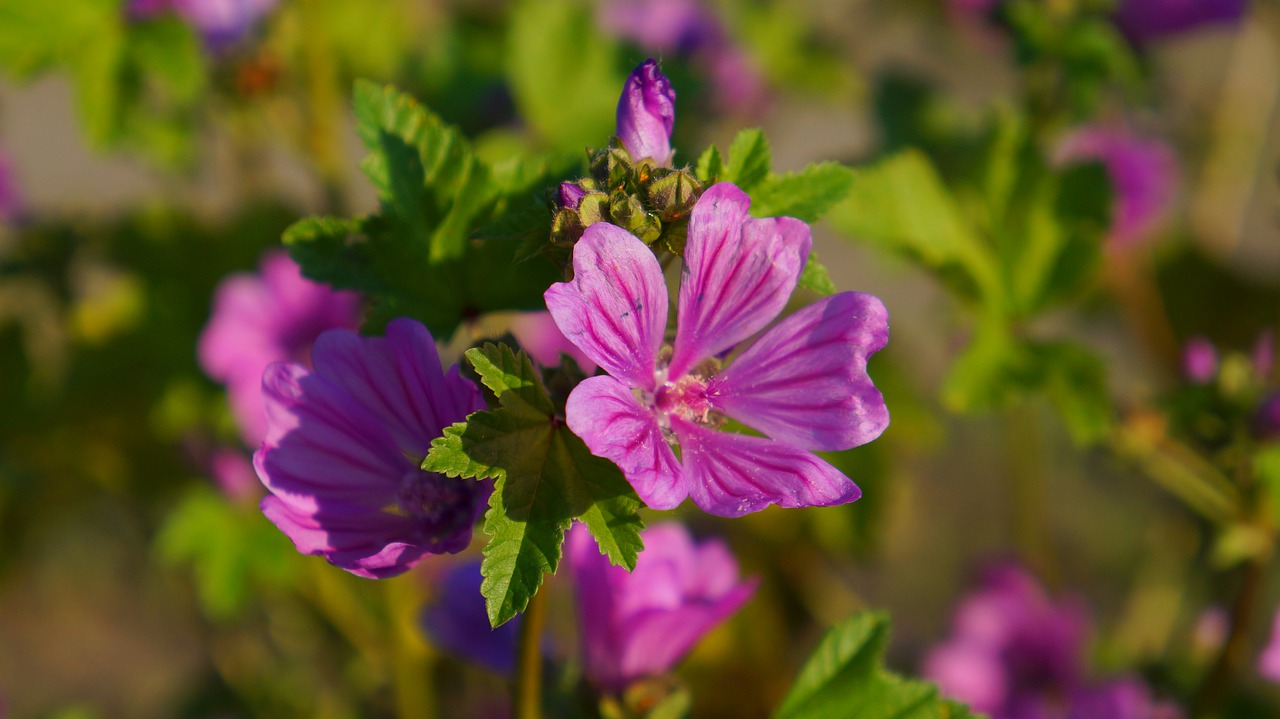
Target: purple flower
x,y
219,22
538,335
457,622
1146,20
1143,176
646,114
641,624
1269,660
663,26
1199,360
233,472
265,318
803,383
1015,653
1266,418
343,447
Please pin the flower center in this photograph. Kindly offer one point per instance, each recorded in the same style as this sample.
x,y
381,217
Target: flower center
x,y
442,506
685,398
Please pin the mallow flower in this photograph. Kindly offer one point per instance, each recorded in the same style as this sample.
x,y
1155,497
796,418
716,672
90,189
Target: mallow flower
x,y
803,383
641,624
1017,653
1143,174
457,622
646,114
1146,20
219,22
268,317
343,447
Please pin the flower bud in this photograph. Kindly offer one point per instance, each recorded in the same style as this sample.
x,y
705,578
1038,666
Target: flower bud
x,y
569,195
646,113
1199,360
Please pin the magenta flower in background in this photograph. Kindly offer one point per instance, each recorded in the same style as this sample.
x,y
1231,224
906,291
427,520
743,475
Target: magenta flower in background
x,y
233,472
538,335
803,383
1199,360
219,22
457,622
1016,653
1143,175
646,114
641,624
1269,660
1146,20
343,447
264,318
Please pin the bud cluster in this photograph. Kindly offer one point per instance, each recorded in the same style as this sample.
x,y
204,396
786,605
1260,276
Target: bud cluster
x,y
649,201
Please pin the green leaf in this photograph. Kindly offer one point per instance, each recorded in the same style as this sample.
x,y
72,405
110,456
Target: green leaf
x,y
845,678
710,166
901,205
432,251
1075,380
806,195
545,478
232,552
561,70
749,160
815,277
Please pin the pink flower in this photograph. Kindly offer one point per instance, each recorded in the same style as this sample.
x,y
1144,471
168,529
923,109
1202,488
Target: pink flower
x,y
1143,176
538,335
264,318
1199,360
343,447
803,383
641,624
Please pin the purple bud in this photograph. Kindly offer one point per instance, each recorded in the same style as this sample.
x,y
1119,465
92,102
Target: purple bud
x,y
1199,360
570,194
1266,426
646,113
1146,20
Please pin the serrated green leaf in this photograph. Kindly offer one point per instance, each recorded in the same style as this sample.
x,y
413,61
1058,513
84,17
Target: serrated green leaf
x,y
710,166
815,278
749,160
561,71
902,205
806,195
545,477
845,678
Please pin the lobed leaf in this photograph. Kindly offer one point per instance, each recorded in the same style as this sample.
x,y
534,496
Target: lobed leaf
x,y
806,195
749,160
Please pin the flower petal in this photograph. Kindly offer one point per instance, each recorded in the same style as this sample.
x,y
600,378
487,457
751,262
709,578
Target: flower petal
x,y
614,425
738,274
399,380
615,308
732,474
804,382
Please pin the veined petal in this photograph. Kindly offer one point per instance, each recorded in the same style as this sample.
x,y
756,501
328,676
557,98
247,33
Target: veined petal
x,y
738,274
353,545
732,474
614,425
804,382
661,637
398,379
646,114
615,308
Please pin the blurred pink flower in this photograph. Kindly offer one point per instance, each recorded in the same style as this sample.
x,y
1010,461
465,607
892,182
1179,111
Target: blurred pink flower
x,y
1143,175
641,624
268,317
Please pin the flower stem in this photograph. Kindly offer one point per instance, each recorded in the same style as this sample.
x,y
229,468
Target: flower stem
x,y
526,689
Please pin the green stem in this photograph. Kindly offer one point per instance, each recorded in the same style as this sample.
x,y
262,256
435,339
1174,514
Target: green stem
x,y
526,689
1027,489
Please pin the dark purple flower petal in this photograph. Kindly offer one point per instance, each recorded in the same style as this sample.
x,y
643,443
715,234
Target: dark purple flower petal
x,y
738,274
570,194
804,382
1266,419
456,621
641,624
336,456
614,425
615,308
1146,20
732,474
646,114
